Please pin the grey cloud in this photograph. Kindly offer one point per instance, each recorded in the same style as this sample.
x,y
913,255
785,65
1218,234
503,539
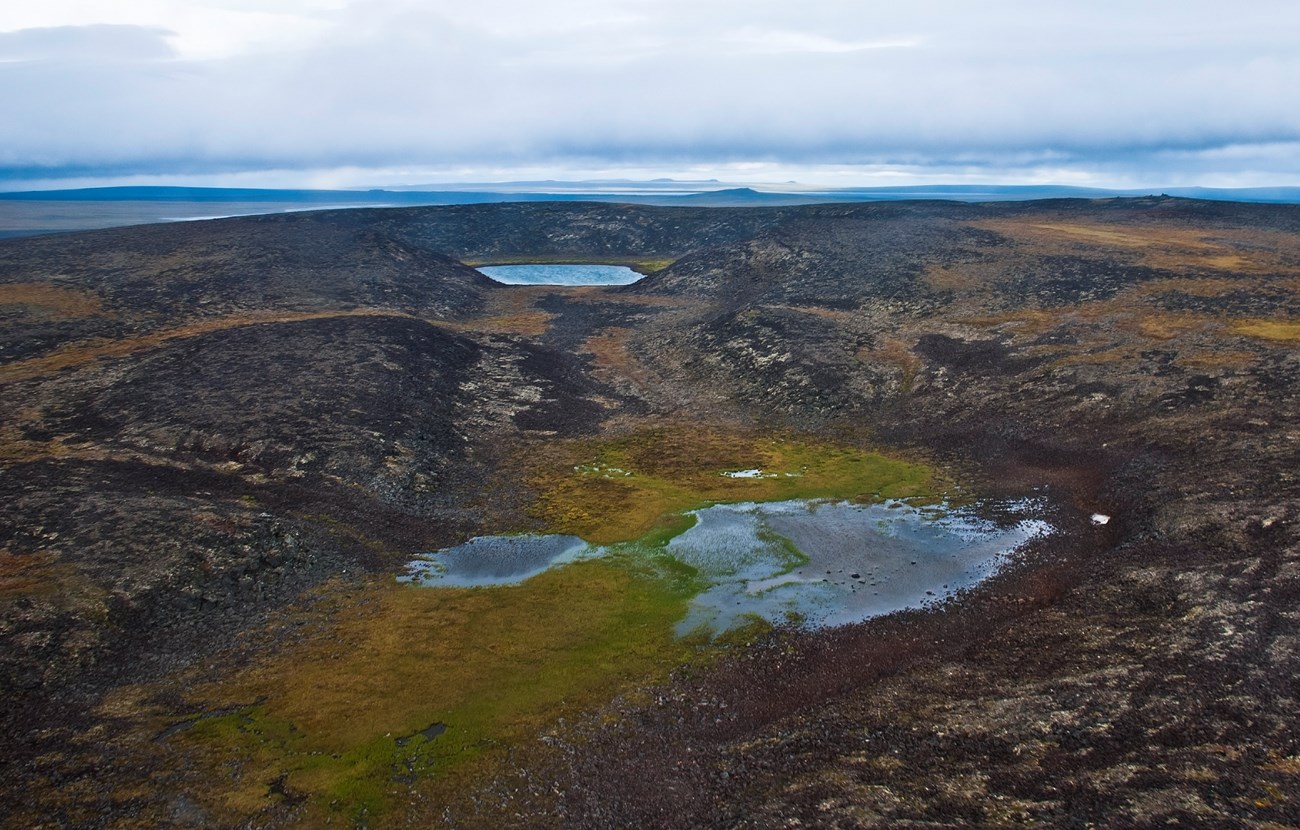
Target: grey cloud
x,y
1107,85
86,44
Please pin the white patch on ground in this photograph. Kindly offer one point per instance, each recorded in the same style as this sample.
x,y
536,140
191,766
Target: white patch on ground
x,y
603,471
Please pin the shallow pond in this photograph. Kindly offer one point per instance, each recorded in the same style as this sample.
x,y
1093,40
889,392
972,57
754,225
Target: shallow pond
x,y
550,274
834,563
816,561
496,560
655,542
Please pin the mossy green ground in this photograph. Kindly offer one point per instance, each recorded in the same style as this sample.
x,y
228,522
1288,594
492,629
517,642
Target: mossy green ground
x,y
338,716
619,490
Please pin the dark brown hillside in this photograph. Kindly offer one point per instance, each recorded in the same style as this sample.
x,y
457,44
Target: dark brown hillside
x,y
587,231
219,441
123,282
358,398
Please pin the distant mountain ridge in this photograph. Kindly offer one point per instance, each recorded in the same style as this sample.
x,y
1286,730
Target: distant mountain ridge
x,y
606,190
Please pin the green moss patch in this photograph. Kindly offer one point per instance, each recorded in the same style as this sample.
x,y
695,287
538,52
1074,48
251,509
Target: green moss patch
x,y
341,717
619,490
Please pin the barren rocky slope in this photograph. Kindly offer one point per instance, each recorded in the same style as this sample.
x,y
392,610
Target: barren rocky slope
x,y
213,431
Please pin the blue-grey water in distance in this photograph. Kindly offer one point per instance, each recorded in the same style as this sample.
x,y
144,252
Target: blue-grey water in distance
x,y
540,274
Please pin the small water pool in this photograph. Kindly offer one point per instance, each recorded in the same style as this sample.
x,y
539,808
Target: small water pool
x,y
551,274
821,562
496,560
829,563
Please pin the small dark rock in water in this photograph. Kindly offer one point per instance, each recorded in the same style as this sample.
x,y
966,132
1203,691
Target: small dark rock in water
x,y
855,575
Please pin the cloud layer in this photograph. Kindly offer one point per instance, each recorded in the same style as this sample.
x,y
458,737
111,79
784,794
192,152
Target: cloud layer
x,y
1113,91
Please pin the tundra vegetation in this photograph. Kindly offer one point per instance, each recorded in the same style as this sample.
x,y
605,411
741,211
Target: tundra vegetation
x,y
222,442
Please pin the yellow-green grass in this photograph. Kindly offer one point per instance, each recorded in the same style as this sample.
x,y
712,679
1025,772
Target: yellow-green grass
x,y
1276,330
497,665
619,490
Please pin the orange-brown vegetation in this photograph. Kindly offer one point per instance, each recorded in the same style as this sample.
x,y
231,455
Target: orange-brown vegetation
x,y
1169,247
613,360
40,299
24,574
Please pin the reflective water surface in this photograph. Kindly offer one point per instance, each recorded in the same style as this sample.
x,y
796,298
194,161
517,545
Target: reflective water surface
x,y
818,562
832,563
539,274
495,560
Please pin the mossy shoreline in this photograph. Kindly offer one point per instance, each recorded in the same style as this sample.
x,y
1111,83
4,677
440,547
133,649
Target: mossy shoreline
x,y
341,718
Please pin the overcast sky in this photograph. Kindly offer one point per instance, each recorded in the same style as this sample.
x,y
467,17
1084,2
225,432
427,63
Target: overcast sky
x,y
372,92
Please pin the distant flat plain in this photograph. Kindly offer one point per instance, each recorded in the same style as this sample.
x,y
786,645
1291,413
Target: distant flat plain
x,y
34,218
35,213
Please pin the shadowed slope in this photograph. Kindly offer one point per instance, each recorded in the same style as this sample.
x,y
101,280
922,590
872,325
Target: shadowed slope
x,y
146,278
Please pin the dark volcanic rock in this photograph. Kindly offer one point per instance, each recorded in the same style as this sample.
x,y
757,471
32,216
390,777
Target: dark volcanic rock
x,y
582,230
357,398
832,257
200,422
146,277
